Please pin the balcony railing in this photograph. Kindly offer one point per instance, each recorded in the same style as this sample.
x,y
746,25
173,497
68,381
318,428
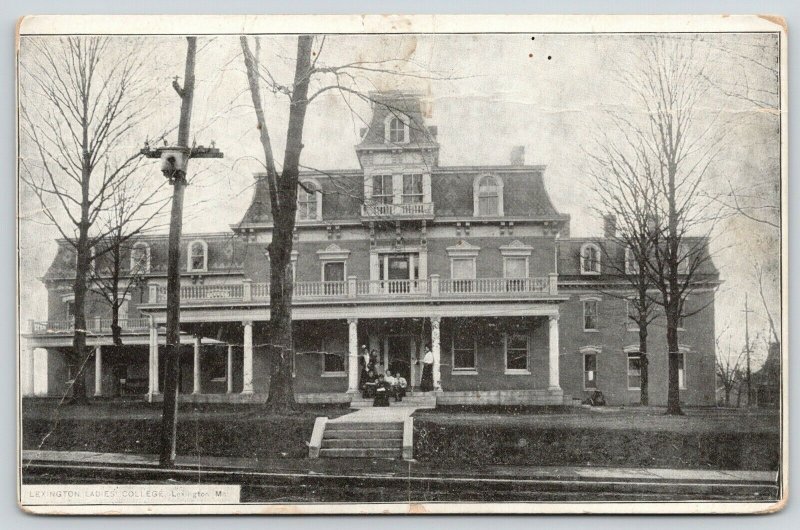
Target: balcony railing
x,y
93,326
352,288
406,210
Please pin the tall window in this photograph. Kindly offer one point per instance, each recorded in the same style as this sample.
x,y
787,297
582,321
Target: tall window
x,y
515,270
216,366
682,370
382,191
463,272
307,199
333,361
590,259
634,371
488,196
463,347
590,371
198,256
140,258
333,276
631,265
412,189
590,315
397,131
69,309
516,352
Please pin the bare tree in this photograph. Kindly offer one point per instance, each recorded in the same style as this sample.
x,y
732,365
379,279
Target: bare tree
x,y
131,212
681,140
728,369
349,80
621,172
80,99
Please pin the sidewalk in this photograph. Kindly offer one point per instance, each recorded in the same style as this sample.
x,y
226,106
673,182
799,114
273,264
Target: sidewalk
x,y
368,468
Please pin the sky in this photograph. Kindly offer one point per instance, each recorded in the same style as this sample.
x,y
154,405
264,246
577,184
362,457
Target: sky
x,y
486,94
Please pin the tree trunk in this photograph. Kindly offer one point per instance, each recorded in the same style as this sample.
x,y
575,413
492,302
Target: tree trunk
x,y
727,396
116,330
281,349
644,396
77,360
673,390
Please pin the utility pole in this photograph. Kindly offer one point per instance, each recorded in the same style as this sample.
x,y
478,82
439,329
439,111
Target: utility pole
x,y
747,349
174,164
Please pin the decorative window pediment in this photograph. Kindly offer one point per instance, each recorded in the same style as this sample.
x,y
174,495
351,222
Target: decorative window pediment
x,y
516,248
463,249
333,252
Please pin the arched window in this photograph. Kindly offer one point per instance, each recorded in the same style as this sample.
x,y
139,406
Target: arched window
x,y
309,201
140,258
488,196
397,131
198,256
590,259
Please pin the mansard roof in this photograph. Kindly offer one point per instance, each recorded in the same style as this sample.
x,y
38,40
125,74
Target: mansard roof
x,y
452,187
226,254
569,251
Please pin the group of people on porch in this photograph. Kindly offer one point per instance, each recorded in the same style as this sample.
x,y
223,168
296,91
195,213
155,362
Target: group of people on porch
x,y
374,382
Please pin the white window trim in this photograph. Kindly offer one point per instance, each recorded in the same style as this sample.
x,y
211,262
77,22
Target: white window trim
x,y
318,206
464,371
189,256
141,244
476,199
333,253
590,350
628,354
516,371
463,250
599,260
583,301
683,350
629,260
517,249
387,124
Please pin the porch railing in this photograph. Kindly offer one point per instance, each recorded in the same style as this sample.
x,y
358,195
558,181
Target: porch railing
x,y
352,288
93,325
406,209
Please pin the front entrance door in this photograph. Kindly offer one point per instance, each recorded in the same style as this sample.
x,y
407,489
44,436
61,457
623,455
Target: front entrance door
x,y
398,356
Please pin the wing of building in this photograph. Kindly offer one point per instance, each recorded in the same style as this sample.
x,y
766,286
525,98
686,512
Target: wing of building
x,y
402,253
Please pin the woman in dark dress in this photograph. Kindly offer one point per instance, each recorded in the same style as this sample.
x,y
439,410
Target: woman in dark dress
x,y
426,385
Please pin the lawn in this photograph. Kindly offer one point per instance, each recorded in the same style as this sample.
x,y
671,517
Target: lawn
x,y
633,437
134,427
461,437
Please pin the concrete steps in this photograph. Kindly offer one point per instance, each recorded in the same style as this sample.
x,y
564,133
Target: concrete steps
x,y
362,440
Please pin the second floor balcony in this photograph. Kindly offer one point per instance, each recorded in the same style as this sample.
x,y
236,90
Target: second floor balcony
x,y
371,211
356,290
94,326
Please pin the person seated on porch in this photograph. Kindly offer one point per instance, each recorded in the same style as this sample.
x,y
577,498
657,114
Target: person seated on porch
x,y
397,384
382,393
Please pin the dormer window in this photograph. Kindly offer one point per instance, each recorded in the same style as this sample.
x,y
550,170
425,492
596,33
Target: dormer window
x,y
590,259
309,201
198,256
140,258
396,129
488,196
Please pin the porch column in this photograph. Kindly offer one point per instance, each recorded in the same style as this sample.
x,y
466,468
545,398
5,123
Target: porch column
x,y
436,351
553,357
247,370
30,377
153,359
196,365
229,369
352,368
98,370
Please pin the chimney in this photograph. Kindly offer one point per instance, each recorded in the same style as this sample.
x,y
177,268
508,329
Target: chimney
x,y
517,155
609,226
